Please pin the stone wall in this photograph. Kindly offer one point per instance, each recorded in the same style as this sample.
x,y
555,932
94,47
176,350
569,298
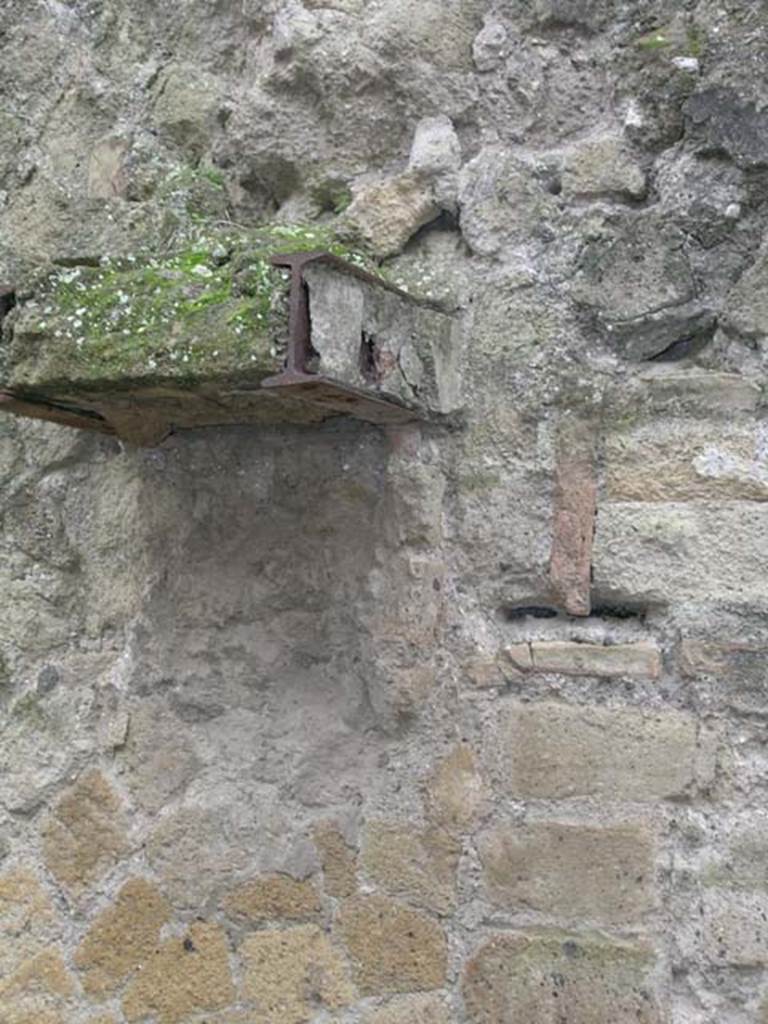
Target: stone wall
x,y
442,725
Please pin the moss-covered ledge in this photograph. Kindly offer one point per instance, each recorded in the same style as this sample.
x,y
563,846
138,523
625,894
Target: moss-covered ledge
x,y
149,342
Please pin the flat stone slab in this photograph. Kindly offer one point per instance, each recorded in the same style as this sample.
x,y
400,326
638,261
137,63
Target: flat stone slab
x,y
223,335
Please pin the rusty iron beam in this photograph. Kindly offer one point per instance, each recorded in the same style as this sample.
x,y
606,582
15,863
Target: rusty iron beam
x,y
52,413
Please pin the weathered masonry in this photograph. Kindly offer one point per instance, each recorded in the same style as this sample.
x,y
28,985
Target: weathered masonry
x,y
388,643
225,336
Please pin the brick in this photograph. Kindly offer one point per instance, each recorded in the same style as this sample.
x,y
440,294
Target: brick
x,y
184,976
562,657
686,460
520,657
742,666
393,949
575,503
456,792
86,834
292,975
416,865
273,898
553,750
573,871
540,978
419,1009
28,924
658,553
337,859
122,938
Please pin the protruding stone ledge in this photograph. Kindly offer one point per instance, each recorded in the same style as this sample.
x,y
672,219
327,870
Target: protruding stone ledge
x,y
243,331
563,657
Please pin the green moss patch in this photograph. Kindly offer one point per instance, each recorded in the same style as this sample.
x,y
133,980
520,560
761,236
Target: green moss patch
x,y
216,308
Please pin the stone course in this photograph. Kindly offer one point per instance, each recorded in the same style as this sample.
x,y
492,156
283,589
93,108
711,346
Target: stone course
x,y
553,751
562,657
587,979
570,871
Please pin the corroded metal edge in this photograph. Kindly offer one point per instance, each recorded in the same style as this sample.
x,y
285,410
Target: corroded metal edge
x,y
296,379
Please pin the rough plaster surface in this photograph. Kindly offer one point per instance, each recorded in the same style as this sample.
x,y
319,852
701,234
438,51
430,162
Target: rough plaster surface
x,y
298,724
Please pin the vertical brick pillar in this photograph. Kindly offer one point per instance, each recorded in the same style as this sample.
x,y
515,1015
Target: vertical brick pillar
x,y
575,504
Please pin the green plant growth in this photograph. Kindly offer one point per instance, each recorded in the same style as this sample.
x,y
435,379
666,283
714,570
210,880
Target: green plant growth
x,y
214,308
657,40
333,196
696,41
688,42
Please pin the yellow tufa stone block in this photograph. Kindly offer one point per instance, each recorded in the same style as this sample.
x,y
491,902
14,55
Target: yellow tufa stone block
x,y
45,973
551,750
538,977
122,938
417,865
393,948
86,834
570,658
424,1009
38,993
456,791
593,873
28,924
272,898
290,975
337,859
184,976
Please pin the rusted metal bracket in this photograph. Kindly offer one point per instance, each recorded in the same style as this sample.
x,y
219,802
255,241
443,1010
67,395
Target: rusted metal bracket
x,y
37,409
353,344
297,378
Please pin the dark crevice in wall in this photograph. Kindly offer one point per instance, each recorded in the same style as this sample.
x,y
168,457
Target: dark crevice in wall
x,y
604,610
684,347
368,367
618,611
7,301
515,614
